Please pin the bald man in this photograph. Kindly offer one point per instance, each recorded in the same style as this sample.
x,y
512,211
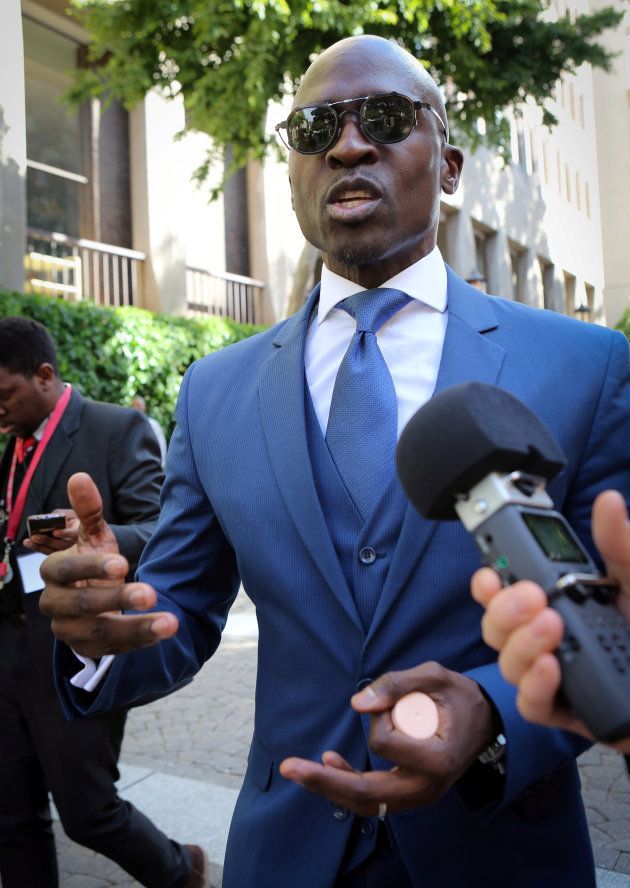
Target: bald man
x,y
281,475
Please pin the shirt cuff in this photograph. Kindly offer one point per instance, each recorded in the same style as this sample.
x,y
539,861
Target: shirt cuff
x,y
91,675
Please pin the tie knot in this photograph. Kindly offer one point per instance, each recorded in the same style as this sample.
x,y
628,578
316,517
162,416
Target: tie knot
x,y
22,447
371,308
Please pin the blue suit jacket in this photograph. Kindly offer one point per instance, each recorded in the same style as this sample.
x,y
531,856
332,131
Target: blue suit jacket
x,y
240,501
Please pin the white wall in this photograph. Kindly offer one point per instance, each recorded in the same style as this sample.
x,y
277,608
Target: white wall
x,y
12,148
612,120
173,222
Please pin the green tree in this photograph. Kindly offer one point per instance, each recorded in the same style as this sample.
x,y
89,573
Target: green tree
x,y
230,58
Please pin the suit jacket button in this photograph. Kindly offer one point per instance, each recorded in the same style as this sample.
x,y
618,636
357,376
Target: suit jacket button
x,y
366,828
367,555
339,812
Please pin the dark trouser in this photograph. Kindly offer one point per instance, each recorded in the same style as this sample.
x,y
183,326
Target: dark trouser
x,y
384,868
77,762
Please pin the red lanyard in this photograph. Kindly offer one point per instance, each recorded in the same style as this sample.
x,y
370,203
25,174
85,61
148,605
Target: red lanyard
x,y
15,511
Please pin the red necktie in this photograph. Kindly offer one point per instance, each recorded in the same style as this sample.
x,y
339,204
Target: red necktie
x,y
22,447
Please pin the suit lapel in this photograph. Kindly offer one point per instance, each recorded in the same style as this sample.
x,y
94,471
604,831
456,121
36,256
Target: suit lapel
x,y
281,391
54,458
467,356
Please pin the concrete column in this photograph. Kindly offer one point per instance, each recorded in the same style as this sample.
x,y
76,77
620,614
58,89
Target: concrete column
x,y
12,149
159,189
499,267
459,240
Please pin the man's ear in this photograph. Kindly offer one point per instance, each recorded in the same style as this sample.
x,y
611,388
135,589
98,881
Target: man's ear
x,y
45,376
452,163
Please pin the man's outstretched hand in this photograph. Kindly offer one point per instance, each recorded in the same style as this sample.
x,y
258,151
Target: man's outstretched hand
x,y
85,589
423,769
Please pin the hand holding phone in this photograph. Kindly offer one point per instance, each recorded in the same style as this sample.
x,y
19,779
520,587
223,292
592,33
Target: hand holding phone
x,y
51,532
45,523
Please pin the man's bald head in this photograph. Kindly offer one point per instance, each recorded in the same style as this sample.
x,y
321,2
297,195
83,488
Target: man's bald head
x,y
377,54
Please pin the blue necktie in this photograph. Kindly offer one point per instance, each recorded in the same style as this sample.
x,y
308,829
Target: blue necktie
x,y
363,421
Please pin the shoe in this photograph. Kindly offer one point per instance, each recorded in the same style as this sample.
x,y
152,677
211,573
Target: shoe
x,y
198,877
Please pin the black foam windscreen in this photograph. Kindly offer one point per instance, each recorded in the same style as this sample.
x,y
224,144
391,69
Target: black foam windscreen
x,y
461,435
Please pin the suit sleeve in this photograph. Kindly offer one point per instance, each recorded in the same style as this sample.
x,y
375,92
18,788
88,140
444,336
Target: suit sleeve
x,y
190,563
533,752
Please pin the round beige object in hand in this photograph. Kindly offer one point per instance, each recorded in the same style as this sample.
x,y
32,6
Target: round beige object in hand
x,y
416,715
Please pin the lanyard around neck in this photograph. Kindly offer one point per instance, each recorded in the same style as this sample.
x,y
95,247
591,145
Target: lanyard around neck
x,y
16,509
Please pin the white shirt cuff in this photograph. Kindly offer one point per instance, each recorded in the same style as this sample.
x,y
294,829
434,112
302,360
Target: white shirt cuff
x,y
91,675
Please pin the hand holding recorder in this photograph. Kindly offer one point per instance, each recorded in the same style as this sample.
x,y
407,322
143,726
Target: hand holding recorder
x,y
520,624
490,469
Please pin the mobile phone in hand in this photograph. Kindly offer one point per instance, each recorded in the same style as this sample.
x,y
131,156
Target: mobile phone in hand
x,y
45,523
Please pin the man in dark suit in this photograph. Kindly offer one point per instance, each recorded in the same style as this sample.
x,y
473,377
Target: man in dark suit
x,y
281,474
40,751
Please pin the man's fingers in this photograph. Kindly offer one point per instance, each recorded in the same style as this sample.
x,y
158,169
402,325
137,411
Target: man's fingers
x,y
334,760
358,791
542,635
111,633
484,585
386,690
92,601
509,609
537,698
611,532
70,567
88,505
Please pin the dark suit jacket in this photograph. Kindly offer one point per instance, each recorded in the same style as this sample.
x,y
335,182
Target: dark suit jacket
x,y
117,447
240,500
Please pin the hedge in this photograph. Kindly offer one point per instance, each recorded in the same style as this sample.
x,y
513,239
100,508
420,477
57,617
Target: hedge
x,y
111,354
624,323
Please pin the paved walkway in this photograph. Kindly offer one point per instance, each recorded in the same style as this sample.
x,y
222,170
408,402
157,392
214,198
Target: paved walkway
x,y
184,757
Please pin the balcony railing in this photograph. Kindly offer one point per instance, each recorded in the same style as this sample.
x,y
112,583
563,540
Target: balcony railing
x,y
222,293
75,269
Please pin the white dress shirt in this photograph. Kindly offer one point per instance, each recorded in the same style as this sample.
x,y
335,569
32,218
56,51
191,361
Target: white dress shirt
x,y
411,341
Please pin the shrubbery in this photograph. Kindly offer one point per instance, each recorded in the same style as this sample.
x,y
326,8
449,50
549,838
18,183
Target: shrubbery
x,y
624,324
110,354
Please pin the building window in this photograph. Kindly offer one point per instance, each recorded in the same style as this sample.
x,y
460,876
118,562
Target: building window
x,y
578,191
78,170
567,177
587,199
589,291
55,180
480,271
581,110
518,262
569,294
547,279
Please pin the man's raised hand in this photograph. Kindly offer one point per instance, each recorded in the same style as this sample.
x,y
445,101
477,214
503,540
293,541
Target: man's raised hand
x,y
86,591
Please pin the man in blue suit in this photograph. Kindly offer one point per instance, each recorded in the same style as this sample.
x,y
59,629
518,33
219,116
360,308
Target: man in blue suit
x,y
280,475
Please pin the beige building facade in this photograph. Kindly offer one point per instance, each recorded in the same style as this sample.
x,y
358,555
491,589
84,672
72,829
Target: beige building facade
x,y
100,204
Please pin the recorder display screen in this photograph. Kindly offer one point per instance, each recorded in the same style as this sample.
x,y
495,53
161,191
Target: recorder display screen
x,y
554,538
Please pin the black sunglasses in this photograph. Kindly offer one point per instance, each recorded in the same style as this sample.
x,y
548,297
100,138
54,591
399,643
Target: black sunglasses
x,y
385,118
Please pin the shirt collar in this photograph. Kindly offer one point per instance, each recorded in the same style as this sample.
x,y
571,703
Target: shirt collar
x,y
425,281
38,434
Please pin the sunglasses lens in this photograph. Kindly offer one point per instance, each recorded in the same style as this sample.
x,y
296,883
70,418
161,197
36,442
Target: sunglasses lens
x,y
311,130
388,118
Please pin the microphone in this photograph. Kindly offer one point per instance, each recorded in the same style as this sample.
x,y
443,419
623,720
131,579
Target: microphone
x,y
476,453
